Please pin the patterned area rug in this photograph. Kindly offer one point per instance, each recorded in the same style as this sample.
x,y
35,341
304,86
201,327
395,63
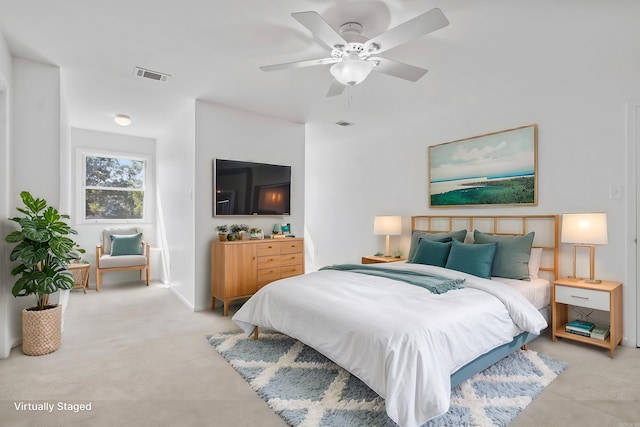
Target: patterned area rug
x,y
307,389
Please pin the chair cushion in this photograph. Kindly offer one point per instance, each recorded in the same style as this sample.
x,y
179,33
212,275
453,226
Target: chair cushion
x,y
107,233
126,244
108,261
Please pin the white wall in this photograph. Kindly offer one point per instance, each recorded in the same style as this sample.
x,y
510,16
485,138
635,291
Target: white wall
x,y
89,234
34,164
571,73
227,133
176,215
6,333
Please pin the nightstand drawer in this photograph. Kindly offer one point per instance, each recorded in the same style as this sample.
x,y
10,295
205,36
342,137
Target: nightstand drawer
x,y
589,298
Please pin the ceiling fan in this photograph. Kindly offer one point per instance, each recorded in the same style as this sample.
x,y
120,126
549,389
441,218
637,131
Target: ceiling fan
x,y
354,56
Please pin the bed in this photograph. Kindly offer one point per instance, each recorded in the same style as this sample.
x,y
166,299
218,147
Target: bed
x,y
410,344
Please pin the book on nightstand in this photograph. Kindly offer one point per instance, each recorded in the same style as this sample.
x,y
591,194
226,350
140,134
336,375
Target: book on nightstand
x,y
600,332
580,327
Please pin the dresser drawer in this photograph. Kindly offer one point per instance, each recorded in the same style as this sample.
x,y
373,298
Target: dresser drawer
x,y
269,261
291,259
291,270
270,248
589,298
291,247
267,275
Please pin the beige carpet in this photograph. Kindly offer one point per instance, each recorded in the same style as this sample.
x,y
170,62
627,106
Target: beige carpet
x,y
140,358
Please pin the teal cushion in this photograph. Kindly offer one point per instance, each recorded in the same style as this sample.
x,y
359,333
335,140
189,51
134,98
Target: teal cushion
x,y
512,254
126,244
430,252
458,235
472,258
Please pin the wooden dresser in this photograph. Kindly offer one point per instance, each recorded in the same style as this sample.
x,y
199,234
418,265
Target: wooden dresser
x,y
240,268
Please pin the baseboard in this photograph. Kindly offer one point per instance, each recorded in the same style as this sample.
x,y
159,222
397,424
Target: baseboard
x,y
182,299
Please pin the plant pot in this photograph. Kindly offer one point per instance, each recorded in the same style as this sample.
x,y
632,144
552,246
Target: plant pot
x,y
222,237
41,330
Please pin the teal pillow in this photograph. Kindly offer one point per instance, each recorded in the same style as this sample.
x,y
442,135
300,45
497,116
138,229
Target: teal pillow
x,y
430,252
458,235
512,254
126,244
472,258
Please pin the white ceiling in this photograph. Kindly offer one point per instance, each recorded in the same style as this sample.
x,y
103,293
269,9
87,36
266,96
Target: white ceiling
x,y
213,50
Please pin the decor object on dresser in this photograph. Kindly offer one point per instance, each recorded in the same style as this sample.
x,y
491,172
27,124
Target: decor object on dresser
x,y
223,230
122,249
239,269
43,252
387,225
255,233
585,230
305,388
498,168
604,296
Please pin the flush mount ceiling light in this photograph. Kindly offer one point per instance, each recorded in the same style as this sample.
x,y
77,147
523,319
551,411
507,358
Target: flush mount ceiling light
x,y
122,119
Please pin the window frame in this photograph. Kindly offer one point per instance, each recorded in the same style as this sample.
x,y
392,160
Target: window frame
x,y
81,161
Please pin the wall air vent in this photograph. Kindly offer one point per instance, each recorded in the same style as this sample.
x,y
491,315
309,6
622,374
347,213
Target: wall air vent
x,y
344,123
153,75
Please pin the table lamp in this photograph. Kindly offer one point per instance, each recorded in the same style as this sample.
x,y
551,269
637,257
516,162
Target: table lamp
x,y
585,230
387,225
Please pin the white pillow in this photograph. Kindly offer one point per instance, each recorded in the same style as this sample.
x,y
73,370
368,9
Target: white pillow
x,y
534,262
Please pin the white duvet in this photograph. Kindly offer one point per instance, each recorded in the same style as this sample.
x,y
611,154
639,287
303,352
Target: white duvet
x,y
398,338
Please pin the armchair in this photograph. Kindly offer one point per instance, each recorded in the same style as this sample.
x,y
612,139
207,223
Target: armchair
x,y
122,249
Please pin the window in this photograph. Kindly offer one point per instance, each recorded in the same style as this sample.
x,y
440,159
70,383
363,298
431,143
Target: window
x,y
113,188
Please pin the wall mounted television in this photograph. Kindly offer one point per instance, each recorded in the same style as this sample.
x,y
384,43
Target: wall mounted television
x,y
249,188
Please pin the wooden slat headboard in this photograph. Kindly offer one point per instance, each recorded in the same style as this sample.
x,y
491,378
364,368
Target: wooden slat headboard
x,y
546,228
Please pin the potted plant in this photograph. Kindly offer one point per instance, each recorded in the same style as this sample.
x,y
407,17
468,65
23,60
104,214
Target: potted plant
x,y
255,233
222,232
238,230
43,252
244,232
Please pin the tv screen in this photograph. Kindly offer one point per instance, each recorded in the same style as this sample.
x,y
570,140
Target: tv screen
x,y
248,188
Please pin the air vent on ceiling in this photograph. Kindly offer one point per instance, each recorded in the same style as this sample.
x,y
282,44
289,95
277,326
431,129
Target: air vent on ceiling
x,y
153,75
344,123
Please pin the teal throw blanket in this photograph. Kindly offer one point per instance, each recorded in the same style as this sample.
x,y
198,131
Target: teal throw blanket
x,y
434,284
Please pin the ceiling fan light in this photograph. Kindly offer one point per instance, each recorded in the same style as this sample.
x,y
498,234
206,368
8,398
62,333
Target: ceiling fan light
x,y
351,71
122,119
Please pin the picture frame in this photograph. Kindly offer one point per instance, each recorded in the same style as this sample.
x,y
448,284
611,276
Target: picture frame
x,y
494,169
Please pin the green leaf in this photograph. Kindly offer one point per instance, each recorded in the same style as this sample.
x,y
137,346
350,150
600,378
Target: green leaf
x,y
33,231
14,237
51,215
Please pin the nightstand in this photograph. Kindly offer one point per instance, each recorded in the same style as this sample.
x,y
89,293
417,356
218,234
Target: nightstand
x,y
372,259
605,296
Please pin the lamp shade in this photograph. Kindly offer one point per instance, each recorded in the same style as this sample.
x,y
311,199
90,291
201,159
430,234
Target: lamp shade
x,y
587,228
387,225
351,70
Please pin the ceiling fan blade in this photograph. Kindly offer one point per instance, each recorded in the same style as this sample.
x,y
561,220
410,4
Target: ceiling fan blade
x,y
300,64
410,30
320,29
398,69
336,88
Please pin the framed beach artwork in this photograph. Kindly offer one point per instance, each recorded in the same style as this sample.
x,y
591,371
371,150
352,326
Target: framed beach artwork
x,y
499,168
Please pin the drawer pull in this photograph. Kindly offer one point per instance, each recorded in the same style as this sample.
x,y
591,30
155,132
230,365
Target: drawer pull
x,y
578,296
